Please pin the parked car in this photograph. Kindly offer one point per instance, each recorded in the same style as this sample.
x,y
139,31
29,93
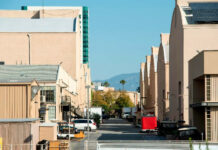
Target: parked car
x,y
167,128
63,130
184,133
82,124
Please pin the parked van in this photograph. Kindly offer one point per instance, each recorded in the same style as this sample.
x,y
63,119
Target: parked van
x,y
82,124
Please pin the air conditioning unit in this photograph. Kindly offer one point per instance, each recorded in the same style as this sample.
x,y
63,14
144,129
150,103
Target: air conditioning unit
x,y
43,99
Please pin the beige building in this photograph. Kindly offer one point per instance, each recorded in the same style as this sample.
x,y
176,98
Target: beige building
x,y
203,98
19,133
142,84
147,104
16,100
134,97
48,37
153,99
163,78
194,28
38,91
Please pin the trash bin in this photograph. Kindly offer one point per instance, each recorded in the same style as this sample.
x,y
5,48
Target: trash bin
x,y
42,145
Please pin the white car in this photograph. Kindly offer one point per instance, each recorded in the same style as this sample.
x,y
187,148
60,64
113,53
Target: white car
x,y
82,124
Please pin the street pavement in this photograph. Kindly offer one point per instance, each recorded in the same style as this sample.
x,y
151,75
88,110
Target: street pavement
x,y
113,130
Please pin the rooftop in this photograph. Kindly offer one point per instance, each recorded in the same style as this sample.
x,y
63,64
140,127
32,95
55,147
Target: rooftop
x,y
19,120
28,73
38,25
200,13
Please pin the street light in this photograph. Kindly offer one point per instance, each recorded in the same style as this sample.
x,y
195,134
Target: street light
x,y
87,87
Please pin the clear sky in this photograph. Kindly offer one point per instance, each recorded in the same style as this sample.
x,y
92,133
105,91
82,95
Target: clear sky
x,y
121,31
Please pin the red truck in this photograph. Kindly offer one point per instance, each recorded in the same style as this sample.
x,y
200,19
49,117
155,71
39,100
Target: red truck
x,y
149,123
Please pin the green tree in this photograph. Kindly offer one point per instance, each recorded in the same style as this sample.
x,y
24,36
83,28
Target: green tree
x,y
98,100
106,84
106,100
123,101
123,82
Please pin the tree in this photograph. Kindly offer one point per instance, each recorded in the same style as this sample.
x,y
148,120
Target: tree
x,y
123,82
123,101
106,84
106,100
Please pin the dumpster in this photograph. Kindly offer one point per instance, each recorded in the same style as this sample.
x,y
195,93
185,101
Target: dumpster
x,y
149,124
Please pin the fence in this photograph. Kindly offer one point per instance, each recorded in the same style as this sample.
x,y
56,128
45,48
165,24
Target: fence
x,y
34,147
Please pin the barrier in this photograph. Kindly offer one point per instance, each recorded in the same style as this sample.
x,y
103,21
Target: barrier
x,y
0,143
35,147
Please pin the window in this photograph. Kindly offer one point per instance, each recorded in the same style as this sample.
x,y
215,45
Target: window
x,y
48,94
208,87
51,112
208,118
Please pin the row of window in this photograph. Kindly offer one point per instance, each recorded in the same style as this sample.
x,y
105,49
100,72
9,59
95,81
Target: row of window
x,y
208,87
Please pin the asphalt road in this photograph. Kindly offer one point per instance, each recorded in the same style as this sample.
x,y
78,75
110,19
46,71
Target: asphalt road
x,y
113,130
118,134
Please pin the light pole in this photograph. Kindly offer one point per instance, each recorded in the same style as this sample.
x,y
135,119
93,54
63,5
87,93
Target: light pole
x,y
87,87
28,35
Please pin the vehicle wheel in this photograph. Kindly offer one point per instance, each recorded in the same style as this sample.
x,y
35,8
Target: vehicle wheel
x,y
86,129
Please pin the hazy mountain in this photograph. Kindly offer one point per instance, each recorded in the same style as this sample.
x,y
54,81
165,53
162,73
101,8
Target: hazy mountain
x,y
132,81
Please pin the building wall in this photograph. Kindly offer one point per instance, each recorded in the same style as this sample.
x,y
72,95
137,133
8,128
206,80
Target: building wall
x,y
203,76
16,102
49,48
176,66
148,104
163,85
142,84
19,134
134,96
48,133
54,48
153,82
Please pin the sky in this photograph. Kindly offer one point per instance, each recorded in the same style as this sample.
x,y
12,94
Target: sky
x,y
121,31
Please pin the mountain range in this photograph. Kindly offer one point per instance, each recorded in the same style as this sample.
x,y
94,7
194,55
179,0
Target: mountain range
x,y
132,81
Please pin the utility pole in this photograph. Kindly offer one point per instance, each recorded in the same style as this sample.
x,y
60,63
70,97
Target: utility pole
x,y
87,87
87,111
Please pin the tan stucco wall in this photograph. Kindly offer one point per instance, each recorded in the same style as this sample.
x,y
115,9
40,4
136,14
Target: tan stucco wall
x,y
45,48
152,101
176,64
48,133
163,81
185,42
147,85
48,48
134,97
142,84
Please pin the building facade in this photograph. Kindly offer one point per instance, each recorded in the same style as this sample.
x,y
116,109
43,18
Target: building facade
x,y
203,98
163,78
153,81
147,103
47,36
38,91
193,29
